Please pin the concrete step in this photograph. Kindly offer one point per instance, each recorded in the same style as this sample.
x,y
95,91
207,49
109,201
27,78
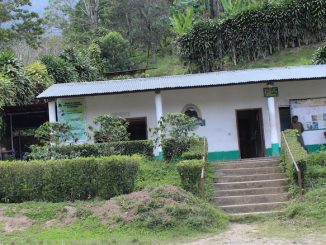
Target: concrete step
x,y
250,208
259,159
254,164
251,184
252,191
242,178
249,171
251,199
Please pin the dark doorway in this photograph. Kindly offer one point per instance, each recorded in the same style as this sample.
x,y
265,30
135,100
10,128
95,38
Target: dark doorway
x,y
285,117
251,133
137,128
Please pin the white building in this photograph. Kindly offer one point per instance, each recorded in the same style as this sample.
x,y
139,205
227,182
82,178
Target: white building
x,y
240,121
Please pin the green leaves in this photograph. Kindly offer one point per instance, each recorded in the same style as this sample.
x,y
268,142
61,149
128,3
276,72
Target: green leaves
x,y
182,22
253,33
319,57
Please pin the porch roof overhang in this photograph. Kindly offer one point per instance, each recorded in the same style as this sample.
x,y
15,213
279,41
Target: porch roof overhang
x,y
212,79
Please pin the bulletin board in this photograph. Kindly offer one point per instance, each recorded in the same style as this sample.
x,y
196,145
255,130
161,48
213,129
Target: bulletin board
x,y
72,112
311,112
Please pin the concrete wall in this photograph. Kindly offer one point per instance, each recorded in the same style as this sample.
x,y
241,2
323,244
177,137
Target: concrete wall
x,y
218,107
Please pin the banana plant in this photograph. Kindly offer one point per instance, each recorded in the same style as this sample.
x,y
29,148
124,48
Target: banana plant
x,y
182,22
235,6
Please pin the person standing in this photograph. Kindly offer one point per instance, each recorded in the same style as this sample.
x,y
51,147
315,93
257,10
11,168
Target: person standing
x,y
295,124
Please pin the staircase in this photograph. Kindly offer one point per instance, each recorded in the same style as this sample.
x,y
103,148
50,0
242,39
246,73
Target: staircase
x,y
250,186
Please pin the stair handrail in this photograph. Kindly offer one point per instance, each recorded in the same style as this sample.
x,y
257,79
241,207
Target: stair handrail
x,y
202,175
295,165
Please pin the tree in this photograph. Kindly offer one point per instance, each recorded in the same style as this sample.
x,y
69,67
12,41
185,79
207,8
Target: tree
x,y
182,22
115,52
110,128
235,6
61,70
17,23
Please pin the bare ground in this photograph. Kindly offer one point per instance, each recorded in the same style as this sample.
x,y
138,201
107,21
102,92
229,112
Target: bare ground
x,y
245,234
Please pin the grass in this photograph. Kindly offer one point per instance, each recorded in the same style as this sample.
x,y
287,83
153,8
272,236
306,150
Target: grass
x,y
167,65
170,215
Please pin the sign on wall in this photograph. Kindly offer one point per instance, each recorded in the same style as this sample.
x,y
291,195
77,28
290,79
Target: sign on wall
x,y
311,112
72,112
271,92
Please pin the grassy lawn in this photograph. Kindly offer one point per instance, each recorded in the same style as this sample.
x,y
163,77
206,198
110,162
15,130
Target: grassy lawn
x,y
167,65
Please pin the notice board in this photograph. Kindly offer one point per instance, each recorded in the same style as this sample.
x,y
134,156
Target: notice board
x,y
311,112
72,112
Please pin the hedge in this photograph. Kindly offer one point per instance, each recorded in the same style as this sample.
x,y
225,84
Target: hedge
x,y
316,170
141,147
184,150
190,174
68,179
253,33
198,149
299,153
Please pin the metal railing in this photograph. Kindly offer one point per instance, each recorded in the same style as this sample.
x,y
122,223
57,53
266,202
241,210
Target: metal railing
x,y
300,187
202,175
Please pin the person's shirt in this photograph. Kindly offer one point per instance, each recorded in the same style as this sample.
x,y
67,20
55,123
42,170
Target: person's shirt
x,y
298,126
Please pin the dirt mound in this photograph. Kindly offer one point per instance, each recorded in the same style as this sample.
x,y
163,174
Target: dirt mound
x,y
14,223
160,207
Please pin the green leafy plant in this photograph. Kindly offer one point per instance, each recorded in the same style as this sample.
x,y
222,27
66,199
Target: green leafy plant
x,y
68,180
109,128
182,22
55,133
320,55
190,174
256,32
173,134
142,147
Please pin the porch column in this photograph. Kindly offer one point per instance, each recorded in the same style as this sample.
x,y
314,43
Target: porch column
x,y
159,114
272,119
52,111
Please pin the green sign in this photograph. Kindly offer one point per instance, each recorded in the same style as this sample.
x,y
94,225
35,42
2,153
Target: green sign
x,y
73,113
271,92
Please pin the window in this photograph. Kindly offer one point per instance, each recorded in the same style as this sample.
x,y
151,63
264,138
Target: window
x,y
192,111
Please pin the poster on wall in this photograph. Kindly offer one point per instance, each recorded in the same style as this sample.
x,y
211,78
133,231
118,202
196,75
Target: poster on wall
x,y
72,112
311,112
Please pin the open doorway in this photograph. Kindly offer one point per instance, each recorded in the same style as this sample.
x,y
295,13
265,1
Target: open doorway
x,y
137,128
251,133
285,118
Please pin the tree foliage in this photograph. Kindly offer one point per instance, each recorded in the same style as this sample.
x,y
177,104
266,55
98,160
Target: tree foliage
x,y
17,23
320,55
109,128
253,33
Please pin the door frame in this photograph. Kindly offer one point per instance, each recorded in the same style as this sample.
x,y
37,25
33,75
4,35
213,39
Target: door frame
x,y
261,126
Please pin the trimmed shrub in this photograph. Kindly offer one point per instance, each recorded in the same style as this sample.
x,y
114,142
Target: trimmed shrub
x,y
299,153
68,179
316,170
196,149
190,172
141,147
193,148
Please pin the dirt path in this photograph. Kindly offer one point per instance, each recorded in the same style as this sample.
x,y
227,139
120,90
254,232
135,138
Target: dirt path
x,y
245,234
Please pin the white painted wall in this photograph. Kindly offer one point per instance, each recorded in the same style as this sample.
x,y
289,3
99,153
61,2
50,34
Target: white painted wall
x,y
218,107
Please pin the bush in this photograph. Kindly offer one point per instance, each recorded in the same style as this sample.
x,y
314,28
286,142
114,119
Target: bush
x,y
316,170
190,173
299,153
68,180
141,147
320,55
173,148
196,149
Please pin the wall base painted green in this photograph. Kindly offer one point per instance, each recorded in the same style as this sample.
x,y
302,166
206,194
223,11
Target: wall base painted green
x,y
159,157
315,148
226,155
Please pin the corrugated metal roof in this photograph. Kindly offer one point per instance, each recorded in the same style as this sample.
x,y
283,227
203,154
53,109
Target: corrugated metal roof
x,y
222,78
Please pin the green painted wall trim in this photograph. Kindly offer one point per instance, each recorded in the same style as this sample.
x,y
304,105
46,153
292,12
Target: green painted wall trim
x,y
225,155
159,157
315,148
276,150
